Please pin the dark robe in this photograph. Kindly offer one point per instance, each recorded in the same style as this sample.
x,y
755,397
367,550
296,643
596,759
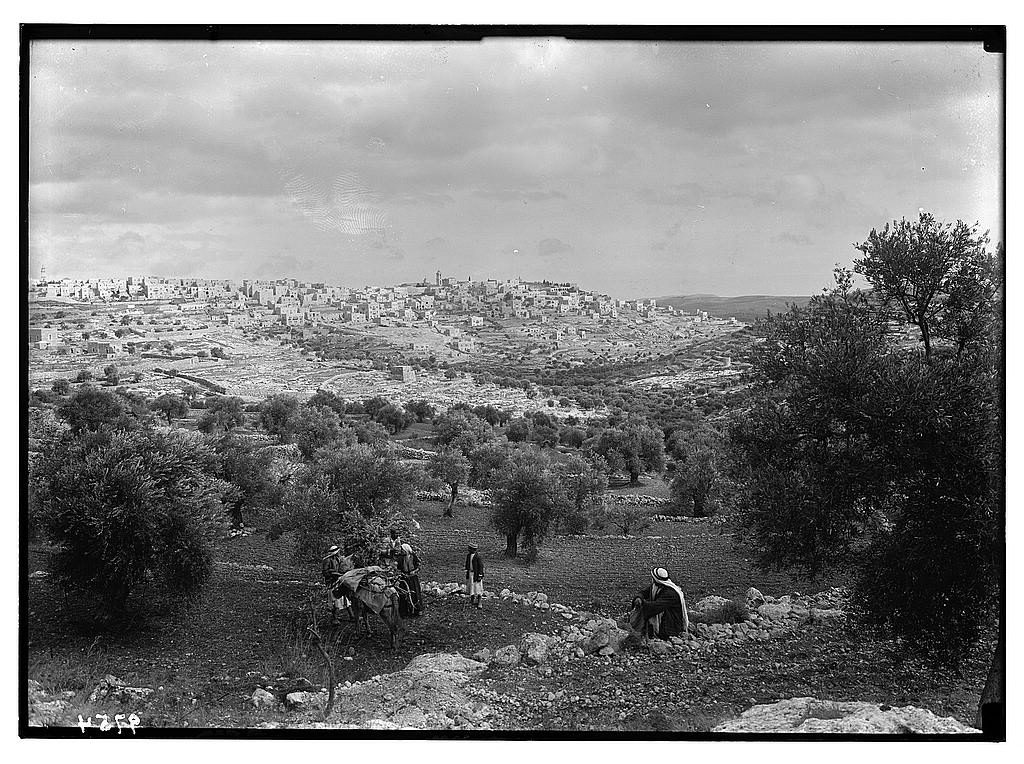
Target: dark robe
x,y
663,601
331,568
407,564
475,565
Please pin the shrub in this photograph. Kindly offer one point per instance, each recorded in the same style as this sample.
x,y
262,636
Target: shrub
x,y
279,415
61,387
123,506
84,376
91,408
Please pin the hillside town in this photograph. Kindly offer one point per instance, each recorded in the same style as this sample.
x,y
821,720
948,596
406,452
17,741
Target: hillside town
x,y
452,306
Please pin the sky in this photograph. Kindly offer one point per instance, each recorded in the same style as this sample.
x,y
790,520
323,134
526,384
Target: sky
x,y
637,169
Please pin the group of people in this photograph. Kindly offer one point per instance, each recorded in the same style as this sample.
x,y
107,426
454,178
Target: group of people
x,y
406,562
657,611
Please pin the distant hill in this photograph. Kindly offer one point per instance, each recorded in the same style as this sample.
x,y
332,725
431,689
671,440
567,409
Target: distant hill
x,y
746,308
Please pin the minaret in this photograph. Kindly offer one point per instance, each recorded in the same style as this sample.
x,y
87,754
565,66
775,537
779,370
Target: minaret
x,y
437,278
42,274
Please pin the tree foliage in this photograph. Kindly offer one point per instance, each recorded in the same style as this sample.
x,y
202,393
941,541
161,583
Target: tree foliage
x,y
634,446
528,497
223,412
279,415
351,496
124,506
697,470
247,468
421,409
940,276
858,452
330,400
451,467
584,485
91,408
484,460
170,406
317,427
393,418
462,430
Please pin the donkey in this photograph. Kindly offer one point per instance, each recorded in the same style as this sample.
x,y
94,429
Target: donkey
x,y
398,601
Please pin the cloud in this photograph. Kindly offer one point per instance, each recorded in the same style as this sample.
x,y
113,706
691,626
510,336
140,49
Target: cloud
x,y
677,194
514,195
247,151
547,247
787,237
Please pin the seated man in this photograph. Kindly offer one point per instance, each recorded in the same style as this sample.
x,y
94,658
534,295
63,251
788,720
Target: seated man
x,y
660,609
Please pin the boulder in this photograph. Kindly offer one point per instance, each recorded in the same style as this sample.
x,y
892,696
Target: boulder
x,y
604,633
506,656
505,594
113,690
300,700
809,715
444,663
484,656
707,608
826,615
777,611
541,597
660,647
534,648
754,599
263,699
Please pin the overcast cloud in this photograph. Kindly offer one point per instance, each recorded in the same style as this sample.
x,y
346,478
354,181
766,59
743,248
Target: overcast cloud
x,y
637,169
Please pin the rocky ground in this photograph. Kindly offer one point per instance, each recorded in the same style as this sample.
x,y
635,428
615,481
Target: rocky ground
x,y
796,664
232,658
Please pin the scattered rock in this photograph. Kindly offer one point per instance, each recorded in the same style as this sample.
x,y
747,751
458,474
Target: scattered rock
x,y
812,715
114,690
301,700
754,599
604,633
534,648
444,662
826,615
707,607
777,611
660,647
506,656
263,699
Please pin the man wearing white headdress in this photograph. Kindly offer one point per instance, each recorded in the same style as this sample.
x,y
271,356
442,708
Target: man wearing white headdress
x,y
659,610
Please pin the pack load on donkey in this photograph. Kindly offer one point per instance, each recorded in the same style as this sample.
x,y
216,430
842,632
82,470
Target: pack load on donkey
x,y
371,591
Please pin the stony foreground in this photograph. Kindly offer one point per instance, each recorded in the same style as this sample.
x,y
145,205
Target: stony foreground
x,y
591,673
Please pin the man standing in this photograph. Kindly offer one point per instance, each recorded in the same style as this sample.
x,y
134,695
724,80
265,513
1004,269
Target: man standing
x,y
474,577
332,568
394,546
660,610
409,568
